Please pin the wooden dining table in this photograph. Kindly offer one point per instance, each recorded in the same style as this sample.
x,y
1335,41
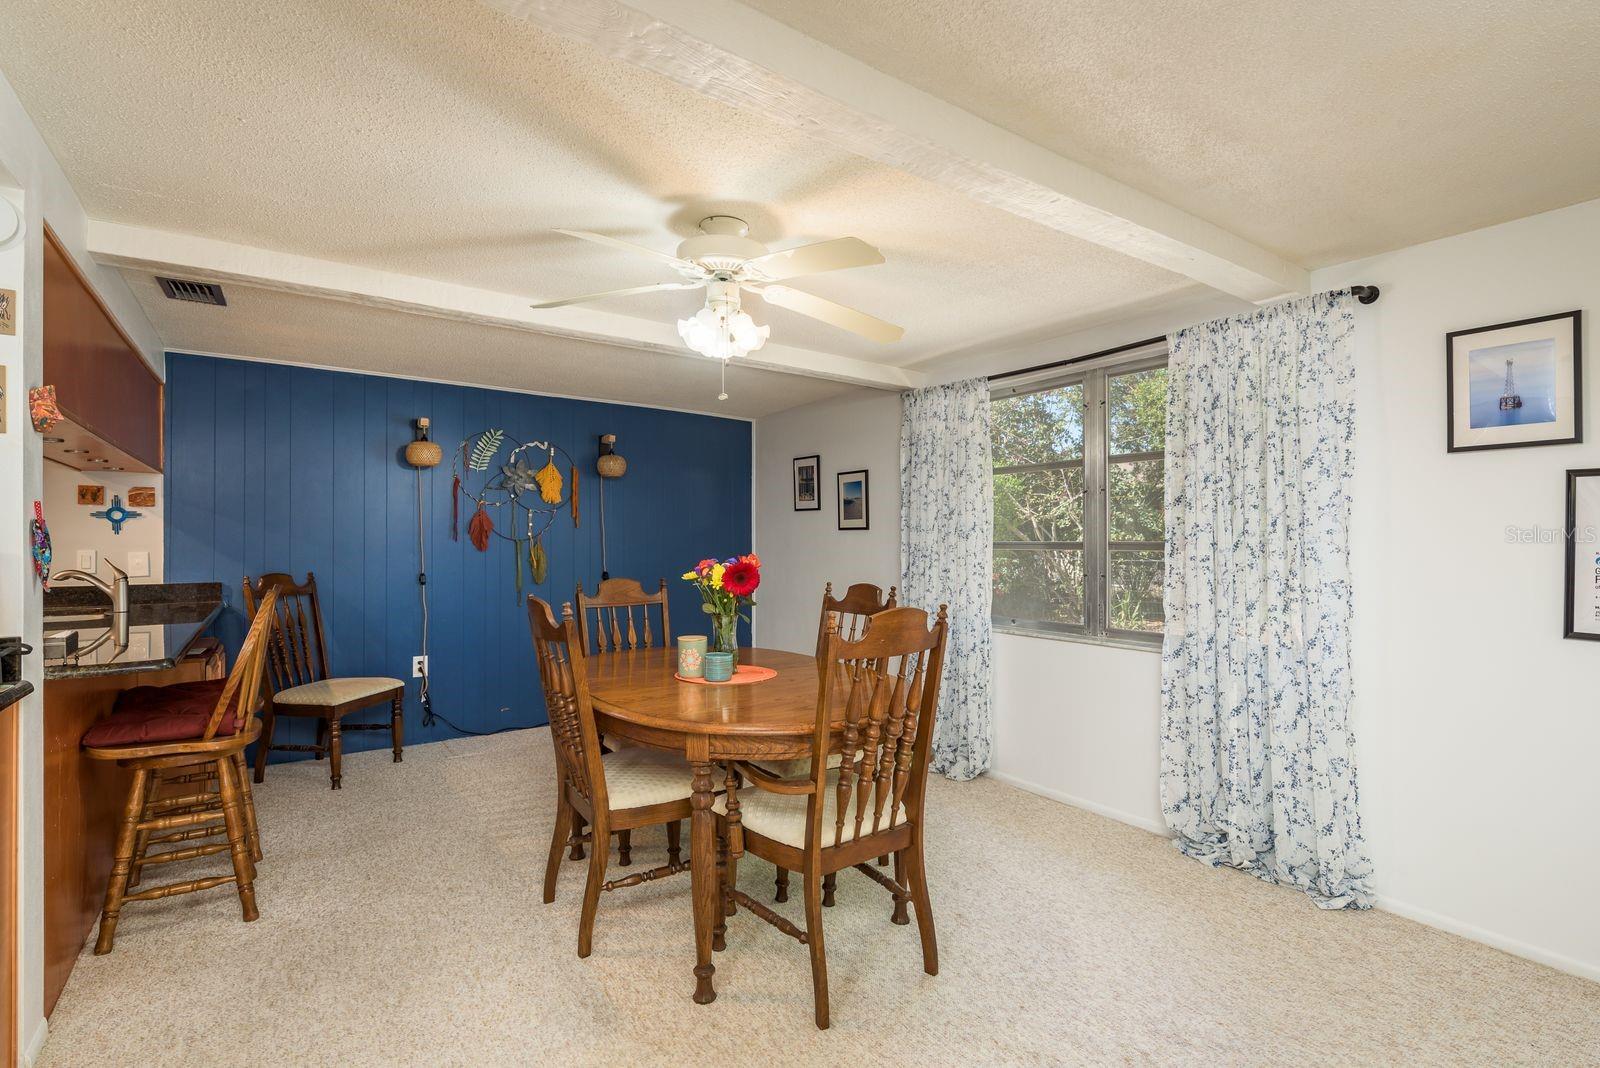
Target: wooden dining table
x,y
637,697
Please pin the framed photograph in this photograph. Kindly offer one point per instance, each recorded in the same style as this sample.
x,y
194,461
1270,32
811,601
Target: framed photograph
x,y
1515,384
807,483
1583,555
852,500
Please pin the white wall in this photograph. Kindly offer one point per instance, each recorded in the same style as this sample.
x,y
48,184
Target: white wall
x,y
1478,723
73,528
1477,729
1080,723
800,551
33,180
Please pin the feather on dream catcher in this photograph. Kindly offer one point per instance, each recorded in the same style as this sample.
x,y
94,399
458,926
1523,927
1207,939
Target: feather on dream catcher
x,y
494,474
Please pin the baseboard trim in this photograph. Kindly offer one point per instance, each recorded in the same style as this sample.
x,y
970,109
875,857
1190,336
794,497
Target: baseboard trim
x,y
1513,946
1153,826
1427,917
35,1044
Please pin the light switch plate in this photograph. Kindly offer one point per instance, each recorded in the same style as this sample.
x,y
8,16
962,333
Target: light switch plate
x,y
87,561
139,565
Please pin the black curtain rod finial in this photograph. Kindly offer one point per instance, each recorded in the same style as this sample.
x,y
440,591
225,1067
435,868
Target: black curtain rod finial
x,y
1365,294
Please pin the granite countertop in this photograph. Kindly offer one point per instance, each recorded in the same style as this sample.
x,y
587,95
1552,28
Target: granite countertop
x,y
12,692
164,622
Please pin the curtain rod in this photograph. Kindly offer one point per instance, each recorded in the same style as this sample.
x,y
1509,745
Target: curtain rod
x,y
1364,294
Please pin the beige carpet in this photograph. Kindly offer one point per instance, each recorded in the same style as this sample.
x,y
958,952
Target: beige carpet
x,y
401,925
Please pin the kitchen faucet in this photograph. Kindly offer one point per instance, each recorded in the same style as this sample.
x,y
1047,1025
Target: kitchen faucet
x,y
117,590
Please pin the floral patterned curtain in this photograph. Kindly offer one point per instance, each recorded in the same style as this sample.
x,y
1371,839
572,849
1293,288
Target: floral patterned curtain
x,y
946,528
1257,755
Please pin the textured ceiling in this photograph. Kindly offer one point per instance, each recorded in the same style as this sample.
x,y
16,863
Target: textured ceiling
x,y
293,328
1325,132
443,139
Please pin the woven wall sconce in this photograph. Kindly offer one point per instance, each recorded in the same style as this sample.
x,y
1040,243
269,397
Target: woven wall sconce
x,y
610,465
422,452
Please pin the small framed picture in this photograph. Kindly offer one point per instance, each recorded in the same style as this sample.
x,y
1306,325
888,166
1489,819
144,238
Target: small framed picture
x,y
1515,384
807,483
1582,615
853,513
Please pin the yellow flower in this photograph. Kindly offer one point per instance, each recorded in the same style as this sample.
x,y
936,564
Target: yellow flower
x,y
716,576
690,575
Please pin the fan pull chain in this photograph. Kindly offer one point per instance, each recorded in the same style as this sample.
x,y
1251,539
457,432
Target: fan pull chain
x,y
724,394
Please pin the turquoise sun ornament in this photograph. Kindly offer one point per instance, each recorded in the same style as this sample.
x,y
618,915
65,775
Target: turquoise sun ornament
x,y
116,514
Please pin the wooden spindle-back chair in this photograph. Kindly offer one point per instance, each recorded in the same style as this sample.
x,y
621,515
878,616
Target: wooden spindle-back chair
x,y
860,603
214,746
614,792
621,616
297,667
884,687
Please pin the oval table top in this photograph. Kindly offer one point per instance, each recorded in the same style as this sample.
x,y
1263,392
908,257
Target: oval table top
x,y
638,686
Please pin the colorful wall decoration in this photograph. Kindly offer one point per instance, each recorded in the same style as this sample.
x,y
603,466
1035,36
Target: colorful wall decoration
x,y
278,467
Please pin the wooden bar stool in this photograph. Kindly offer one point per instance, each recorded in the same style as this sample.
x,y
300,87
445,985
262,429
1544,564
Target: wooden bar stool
x,y
196,741
297,663
195,697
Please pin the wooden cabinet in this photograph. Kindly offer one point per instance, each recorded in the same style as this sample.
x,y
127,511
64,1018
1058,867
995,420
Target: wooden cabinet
x,y
110,396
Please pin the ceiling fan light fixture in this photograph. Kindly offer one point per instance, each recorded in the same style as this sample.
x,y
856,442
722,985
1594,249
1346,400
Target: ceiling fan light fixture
x,y
722,334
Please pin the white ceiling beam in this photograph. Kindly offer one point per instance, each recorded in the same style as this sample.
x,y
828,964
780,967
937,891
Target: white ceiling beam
x,y
209,260
750,61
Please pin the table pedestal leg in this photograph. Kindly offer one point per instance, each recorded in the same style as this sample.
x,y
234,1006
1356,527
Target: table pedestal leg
x,y
703,870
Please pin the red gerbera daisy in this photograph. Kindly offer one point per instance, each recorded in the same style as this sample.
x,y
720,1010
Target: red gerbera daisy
x,y
741,578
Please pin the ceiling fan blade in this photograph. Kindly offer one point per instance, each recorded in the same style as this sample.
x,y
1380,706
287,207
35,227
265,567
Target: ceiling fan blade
x,y
628,246
856,322
833,255
655,287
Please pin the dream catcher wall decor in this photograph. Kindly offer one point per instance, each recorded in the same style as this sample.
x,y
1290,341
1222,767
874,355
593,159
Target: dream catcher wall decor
x,y
517,491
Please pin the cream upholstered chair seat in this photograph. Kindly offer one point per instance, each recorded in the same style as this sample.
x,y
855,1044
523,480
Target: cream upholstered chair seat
x,y
782,817
638,777
795,769
334,691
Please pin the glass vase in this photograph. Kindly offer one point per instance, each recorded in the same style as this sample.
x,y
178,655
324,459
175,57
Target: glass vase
x,y
725,635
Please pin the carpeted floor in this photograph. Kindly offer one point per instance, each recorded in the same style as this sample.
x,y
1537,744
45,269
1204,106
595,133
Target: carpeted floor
x,y
401,925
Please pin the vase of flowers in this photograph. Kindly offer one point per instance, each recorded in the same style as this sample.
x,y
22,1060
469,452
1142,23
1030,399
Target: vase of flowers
x,y
725,595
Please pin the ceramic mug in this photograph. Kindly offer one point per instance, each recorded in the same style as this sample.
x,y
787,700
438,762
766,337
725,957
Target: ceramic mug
x,y
691,653
718,667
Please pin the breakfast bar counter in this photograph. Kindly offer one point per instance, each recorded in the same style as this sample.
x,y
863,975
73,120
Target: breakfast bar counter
x,y
165,622
91,657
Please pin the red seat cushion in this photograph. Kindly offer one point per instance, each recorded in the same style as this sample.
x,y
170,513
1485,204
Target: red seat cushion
x,y
152,715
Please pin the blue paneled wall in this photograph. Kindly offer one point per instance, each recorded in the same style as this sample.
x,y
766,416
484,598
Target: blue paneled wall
x,y
273,467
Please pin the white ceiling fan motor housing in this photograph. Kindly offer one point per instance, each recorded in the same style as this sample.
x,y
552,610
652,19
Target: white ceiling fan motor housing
x,y
721,245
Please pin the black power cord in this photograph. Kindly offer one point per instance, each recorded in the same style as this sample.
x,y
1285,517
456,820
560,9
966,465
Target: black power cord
x,y
429,716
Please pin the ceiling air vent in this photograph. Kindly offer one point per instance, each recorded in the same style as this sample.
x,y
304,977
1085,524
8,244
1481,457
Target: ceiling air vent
x,y
194,292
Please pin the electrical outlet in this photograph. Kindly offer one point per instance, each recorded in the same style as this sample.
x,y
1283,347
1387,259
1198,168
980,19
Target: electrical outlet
x,y
87,561
419,666
138,647
139,565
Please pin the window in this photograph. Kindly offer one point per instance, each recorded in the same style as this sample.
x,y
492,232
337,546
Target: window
x,y
1079,505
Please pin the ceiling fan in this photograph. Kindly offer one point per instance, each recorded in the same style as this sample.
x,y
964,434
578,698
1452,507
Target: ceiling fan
x,y
724,260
